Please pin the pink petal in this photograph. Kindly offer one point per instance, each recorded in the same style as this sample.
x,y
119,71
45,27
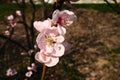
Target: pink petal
x,y
40,26
59,50
41,57
53,62
49,49
40,41
60,39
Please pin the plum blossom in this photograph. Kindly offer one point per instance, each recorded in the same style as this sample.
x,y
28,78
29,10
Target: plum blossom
x,y
63,18
49,41
18,13
51,37
11,72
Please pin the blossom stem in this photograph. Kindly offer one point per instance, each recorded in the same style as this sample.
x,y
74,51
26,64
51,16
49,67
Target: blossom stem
x,y
43,72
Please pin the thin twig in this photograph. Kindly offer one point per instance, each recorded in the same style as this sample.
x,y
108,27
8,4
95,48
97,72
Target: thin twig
x,y
43,72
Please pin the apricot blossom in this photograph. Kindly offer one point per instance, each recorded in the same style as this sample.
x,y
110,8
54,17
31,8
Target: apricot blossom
x,y
63,18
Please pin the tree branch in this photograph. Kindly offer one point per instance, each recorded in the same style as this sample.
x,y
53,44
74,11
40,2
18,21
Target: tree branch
x,y
13,41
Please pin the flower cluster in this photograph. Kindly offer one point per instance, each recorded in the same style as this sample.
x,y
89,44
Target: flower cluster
x,y
51,37
12,22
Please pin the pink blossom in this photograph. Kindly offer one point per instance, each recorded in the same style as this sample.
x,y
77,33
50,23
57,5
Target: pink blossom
x,y
11,17
48,60
63,18
11,72
18,13
50,41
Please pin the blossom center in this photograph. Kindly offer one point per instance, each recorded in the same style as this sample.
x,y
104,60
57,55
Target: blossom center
x,y
49,40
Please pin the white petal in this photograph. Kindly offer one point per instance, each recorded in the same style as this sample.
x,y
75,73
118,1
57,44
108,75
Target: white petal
x,y
53,62
61,30
55,16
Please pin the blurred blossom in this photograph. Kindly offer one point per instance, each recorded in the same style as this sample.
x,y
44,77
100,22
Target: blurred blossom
x,y
18,13
32,68
35,46
11,17
28,74
11,72
23,53
7,32
8,27
30,51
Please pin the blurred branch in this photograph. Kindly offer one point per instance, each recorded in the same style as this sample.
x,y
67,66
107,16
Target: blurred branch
x,y
117,5
22,7
44,14
4,44
13,41
32,20
111,6
58,4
